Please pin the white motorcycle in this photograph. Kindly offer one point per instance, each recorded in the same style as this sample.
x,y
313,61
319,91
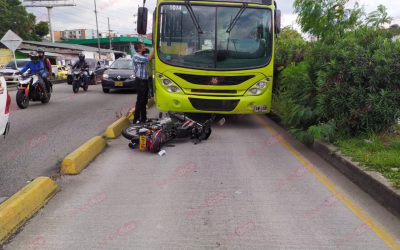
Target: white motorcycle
x,y
29,90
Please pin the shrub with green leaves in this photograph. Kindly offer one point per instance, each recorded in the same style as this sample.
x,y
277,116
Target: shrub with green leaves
x,y
369,77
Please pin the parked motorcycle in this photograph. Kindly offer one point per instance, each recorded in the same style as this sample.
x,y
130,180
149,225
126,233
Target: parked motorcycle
x,y
157,132
29,90
78,81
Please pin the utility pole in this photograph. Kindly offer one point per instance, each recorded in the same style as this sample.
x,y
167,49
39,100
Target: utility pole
x,y
49,7
109,34
97,25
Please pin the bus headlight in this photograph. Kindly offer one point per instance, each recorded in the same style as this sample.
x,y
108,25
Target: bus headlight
x,y
173,89
261,85
166,82
254,91
160,76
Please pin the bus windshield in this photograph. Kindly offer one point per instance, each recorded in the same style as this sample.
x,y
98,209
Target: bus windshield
x,y
247,45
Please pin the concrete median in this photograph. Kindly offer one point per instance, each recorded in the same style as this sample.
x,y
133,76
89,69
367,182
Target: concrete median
x,y
20,207
115,129
80,158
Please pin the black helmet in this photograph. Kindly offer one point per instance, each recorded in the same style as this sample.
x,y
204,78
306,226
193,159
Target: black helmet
x,y
39,50
34,56
81,56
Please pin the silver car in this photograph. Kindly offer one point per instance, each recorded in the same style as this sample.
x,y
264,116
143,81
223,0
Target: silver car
x,y
9,70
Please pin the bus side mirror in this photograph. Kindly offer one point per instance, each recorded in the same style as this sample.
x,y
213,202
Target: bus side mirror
x,y
142,21
278,21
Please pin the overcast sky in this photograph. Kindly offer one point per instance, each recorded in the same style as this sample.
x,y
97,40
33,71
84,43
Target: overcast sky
x,y
121,13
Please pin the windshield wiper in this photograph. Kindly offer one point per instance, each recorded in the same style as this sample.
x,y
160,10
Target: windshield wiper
x,y
238,15
196,23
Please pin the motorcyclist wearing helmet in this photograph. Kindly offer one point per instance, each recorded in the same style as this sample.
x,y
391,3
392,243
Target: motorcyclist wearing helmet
x,y
48,71
82,64
36,66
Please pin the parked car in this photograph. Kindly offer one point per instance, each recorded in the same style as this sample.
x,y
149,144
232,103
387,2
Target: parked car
x,y
96,70
119,76
5,101
9,70
62,72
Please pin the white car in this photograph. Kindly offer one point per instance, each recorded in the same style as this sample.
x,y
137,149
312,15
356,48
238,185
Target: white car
x,y
9,70
5,101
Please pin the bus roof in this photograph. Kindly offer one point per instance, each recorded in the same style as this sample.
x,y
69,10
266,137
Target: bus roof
x,y
263,2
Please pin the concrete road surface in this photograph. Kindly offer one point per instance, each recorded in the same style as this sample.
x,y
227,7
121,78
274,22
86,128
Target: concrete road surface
x,y
241,189
43,134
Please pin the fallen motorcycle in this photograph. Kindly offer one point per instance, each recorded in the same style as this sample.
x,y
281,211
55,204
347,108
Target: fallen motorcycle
x,y
157,132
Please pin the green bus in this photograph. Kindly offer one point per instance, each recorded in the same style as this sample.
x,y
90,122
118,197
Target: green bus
x,y
213,56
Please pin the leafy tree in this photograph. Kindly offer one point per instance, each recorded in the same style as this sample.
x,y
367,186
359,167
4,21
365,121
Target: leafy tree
x,y
326,18
42,29
13,16
379,17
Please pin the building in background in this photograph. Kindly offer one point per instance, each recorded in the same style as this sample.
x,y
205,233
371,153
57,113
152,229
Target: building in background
x,y
75,34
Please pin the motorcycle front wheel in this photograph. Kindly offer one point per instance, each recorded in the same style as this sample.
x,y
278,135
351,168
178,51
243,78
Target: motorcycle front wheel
x,y
75,87
22,99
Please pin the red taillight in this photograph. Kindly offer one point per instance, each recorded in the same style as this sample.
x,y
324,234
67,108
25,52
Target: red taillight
x,y
8,104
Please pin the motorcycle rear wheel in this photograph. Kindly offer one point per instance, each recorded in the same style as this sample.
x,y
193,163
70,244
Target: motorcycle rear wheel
x,y
46,100
130,131
22,99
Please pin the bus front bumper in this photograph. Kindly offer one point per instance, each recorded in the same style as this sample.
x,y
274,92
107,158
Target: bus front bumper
x,y
213,104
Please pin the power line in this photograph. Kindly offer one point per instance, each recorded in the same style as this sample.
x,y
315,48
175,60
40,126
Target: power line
x,y
127,29
90,19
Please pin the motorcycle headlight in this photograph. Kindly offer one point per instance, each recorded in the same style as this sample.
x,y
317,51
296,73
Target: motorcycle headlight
x,y
166,82
132,77
254,91
173,89
90,72
261,85
105,76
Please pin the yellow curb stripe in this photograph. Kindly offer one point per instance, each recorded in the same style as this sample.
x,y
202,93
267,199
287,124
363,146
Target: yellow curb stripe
x,y
363,215
115,129
80,158
150,103
20,207
131,113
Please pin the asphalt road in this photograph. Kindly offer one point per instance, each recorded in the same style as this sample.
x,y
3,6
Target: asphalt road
x,y
44,133
237,190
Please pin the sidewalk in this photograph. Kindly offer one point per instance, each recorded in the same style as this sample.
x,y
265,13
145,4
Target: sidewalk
x,y
196,197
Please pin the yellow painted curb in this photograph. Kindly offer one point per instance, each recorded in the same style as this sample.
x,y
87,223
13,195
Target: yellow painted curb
x,y
131,114
80,158
115,129
150,103
20,207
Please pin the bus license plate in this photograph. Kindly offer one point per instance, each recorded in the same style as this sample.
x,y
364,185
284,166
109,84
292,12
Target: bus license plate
x,y
142,145
119,84
260,108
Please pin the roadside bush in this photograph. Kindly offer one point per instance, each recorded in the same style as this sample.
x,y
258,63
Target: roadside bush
x,y
345,87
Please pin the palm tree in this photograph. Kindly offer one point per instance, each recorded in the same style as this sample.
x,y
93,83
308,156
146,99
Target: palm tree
x,y
379,17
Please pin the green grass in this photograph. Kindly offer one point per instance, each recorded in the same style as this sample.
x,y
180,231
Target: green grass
x,y
381,155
